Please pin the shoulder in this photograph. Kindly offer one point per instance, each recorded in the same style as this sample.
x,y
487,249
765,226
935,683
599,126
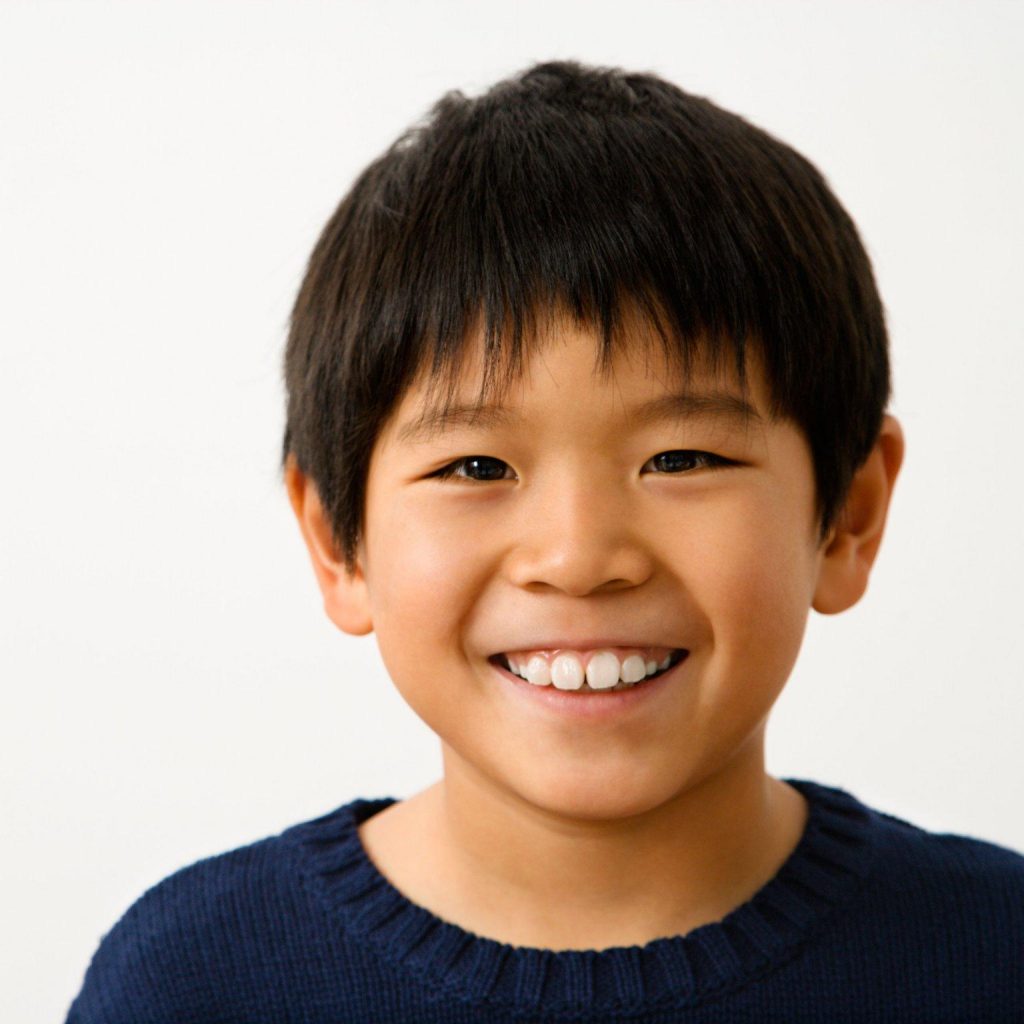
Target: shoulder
x,y
934,921
200,896
945,875
951,852
200,888
165,957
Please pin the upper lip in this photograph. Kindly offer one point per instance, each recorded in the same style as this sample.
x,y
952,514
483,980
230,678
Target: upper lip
x,y
586,644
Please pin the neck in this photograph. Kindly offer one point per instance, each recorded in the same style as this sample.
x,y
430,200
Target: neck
x,y
504,869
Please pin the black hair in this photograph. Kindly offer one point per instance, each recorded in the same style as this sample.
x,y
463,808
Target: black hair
x,y
582,188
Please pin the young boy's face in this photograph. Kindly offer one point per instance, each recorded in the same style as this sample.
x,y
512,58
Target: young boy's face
x,y
590,525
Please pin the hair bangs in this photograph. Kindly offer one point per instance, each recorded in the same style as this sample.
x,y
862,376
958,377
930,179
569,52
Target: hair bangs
x,y
510,226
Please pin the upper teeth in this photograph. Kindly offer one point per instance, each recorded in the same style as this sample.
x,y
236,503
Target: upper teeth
x,y
603,669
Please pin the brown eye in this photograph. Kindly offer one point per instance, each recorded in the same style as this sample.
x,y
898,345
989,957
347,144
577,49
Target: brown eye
x,y
682,461
477,467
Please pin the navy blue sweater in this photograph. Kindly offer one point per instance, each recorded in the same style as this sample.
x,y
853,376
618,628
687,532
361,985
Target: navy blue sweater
x,y
869,919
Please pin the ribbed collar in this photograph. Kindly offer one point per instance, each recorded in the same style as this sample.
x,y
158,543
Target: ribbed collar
x,y
823,871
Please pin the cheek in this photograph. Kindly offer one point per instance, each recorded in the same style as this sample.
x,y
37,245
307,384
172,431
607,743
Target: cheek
x,y
757,599
423,577
431,576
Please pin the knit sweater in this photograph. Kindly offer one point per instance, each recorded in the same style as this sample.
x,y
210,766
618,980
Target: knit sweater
x,y
869,919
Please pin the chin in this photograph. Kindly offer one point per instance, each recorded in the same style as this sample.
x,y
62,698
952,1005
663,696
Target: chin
x,y
598,798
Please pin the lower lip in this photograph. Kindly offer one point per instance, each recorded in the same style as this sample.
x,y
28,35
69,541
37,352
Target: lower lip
x,y
589,706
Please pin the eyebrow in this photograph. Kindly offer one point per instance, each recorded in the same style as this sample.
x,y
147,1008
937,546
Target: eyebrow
x,y
683,405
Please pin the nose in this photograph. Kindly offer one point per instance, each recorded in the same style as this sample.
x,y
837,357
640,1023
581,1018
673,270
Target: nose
x,y
578,538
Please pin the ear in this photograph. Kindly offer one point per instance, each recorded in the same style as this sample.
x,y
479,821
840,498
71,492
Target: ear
x,y
851,547
346,598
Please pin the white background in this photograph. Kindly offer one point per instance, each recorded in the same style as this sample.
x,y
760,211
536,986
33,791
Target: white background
x,y
171,686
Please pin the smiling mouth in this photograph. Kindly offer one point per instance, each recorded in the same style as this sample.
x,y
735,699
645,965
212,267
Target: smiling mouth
x,y
571,678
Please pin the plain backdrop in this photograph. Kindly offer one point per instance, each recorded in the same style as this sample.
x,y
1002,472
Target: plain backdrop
x,y
171,685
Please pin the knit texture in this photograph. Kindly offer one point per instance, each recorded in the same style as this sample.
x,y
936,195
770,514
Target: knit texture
x,y
869,919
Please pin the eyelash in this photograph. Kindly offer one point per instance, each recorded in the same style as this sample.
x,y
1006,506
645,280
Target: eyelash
x,y
710,460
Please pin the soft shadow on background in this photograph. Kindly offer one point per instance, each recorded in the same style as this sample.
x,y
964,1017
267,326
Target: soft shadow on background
x,y
172,687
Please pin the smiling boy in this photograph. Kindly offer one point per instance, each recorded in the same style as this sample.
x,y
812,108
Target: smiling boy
x,y
586,386
563,546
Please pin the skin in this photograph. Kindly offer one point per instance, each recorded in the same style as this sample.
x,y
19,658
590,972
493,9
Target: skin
x,y
555,833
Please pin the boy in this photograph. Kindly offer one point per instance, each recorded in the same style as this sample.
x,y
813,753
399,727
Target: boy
x,y
586,411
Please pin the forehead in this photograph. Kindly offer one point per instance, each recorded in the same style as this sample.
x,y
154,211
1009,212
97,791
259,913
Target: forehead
x,y
648,371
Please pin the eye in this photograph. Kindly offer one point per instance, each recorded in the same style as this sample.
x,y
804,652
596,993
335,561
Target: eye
x,y
481,468
674,462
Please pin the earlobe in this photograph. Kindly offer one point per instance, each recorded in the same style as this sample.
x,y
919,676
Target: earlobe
x,y
852,546
345,594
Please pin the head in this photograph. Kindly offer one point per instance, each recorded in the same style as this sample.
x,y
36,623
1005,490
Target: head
x,y
568,248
